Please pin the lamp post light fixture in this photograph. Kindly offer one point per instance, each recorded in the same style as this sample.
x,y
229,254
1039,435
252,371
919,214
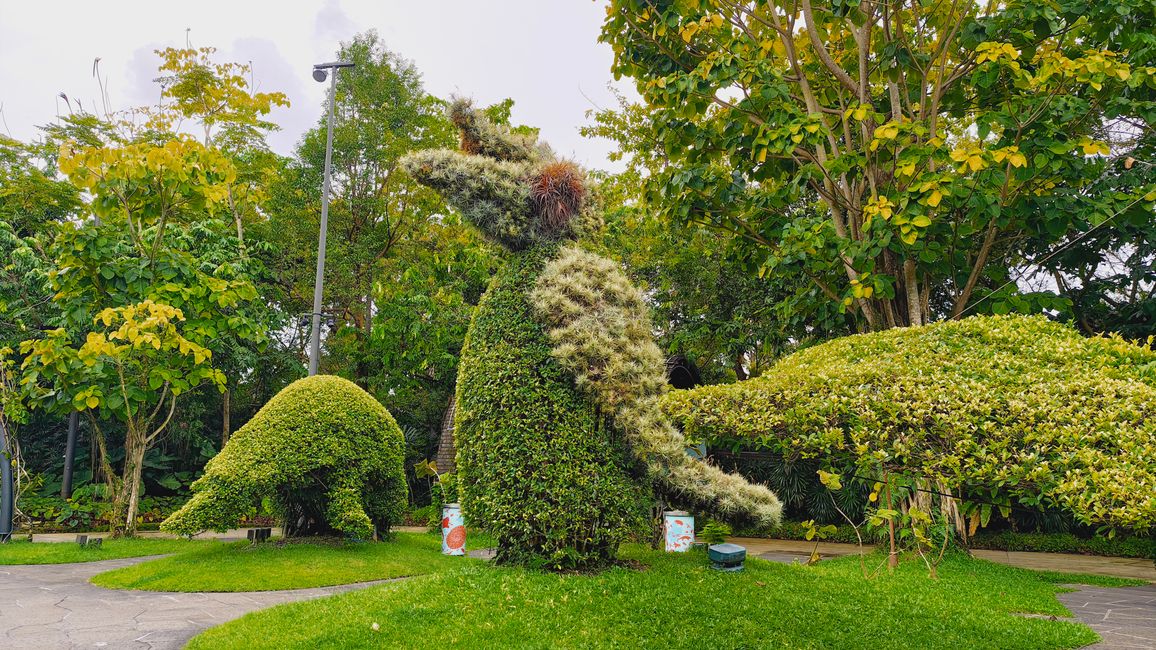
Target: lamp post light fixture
x,y
321,71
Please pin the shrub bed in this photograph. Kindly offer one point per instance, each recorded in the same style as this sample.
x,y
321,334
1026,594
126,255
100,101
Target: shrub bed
x,y
1015,408
1141,547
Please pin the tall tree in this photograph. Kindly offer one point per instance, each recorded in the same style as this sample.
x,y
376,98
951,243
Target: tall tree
x,y
908,148
709,301
148,283
140,314
219,97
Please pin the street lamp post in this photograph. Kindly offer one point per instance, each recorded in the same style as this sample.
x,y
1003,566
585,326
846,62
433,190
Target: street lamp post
x,y
320,72
7,486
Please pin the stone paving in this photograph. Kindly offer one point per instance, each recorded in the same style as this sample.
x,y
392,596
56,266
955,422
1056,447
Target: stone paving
x,y
1125,618
51,606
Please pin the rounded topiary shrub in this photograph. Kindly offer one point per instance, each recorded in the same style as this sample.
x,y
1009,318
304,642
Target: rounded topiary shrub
x,y
536,465
1010,407
325,452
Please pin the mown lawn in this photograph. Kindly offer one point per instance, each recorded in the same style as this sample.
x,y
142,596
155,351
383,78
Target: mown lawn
x,y
24,552
240,566
677,602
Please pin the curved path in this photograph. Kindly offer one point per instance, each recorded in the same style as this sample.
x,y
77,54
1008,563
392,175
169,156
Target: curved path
x,y
54,606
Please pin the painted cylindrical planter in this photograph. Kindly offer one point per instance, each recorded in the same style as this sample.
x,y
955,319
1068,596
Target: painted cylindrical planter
x,y
678,531
453,530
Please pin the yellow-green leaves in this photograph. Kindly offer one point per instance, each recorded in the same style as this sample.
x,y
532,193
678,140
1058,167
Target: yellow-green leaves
x,y
992,51
1011,154
143,184
831,480
1092,147
970,158
982,403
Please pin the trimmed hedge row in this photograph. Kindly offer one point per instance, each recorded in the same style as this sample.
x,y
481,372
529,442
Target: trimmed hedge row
x,y
1022,406
1133,546
1142,547
323,450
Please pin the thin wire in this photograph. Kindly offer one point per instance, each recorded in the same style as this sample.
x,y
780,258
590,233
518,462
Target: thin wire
x,y
1052,254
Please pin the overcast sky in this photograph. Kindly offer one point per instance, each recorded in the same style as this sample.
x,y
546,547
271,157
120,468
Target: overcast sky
x,y
543,53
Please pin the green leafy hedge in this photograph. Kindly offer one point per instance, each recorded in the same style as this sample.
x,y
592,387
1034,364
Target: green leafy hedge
x,y
323,450
1008,407
1142,547
535,465
1131,546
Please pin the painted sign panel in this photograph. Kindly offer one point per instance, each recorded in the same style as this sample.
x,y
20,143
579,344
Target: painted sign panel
x,y
678,531
453,530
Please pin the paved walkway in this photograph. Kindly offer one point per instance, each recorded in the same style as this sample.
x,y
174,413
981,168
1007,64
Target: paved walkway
x,y
1125,618
51,606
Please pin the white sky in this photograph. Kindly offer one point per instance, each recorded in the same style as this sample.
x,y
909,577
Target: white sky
x,y
542,53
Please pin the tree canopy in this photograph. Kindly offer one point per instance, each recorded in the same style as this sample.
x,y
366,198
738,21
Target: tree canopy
x,y
903,157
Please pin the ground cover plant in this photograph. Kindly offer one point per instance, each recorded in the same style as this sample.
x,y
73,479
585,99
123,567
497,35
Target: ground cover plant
x,y
676,602
23,552
1006,409
242,566
324,451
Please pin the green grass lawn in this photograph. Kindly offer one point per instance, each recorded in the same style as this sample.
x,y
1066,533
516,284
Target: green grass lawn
x,y
240,566
24,552
677,602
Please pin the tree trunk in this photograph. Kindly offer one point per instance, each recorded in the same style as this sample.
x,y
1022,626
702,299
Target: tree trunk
x,y
129,491
914,310
226,429
740,371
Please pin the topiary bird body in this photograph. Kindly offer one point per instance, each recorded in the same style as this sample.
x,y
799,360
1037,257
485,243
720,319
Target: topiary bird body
x,y
560,441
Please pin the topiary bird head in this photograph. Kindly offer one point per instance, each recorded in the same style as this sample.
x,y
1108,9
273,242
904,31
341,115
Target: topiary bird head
x,y
506,184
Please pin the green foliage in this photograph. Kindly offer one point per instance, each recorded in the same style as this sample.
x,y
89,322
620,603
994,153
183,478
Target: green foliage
x,y
536,467
1131,546
30,194
217,95
601,333
87,510
327,453
796,482
706,294
999,409
715,532
402,276
901,159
